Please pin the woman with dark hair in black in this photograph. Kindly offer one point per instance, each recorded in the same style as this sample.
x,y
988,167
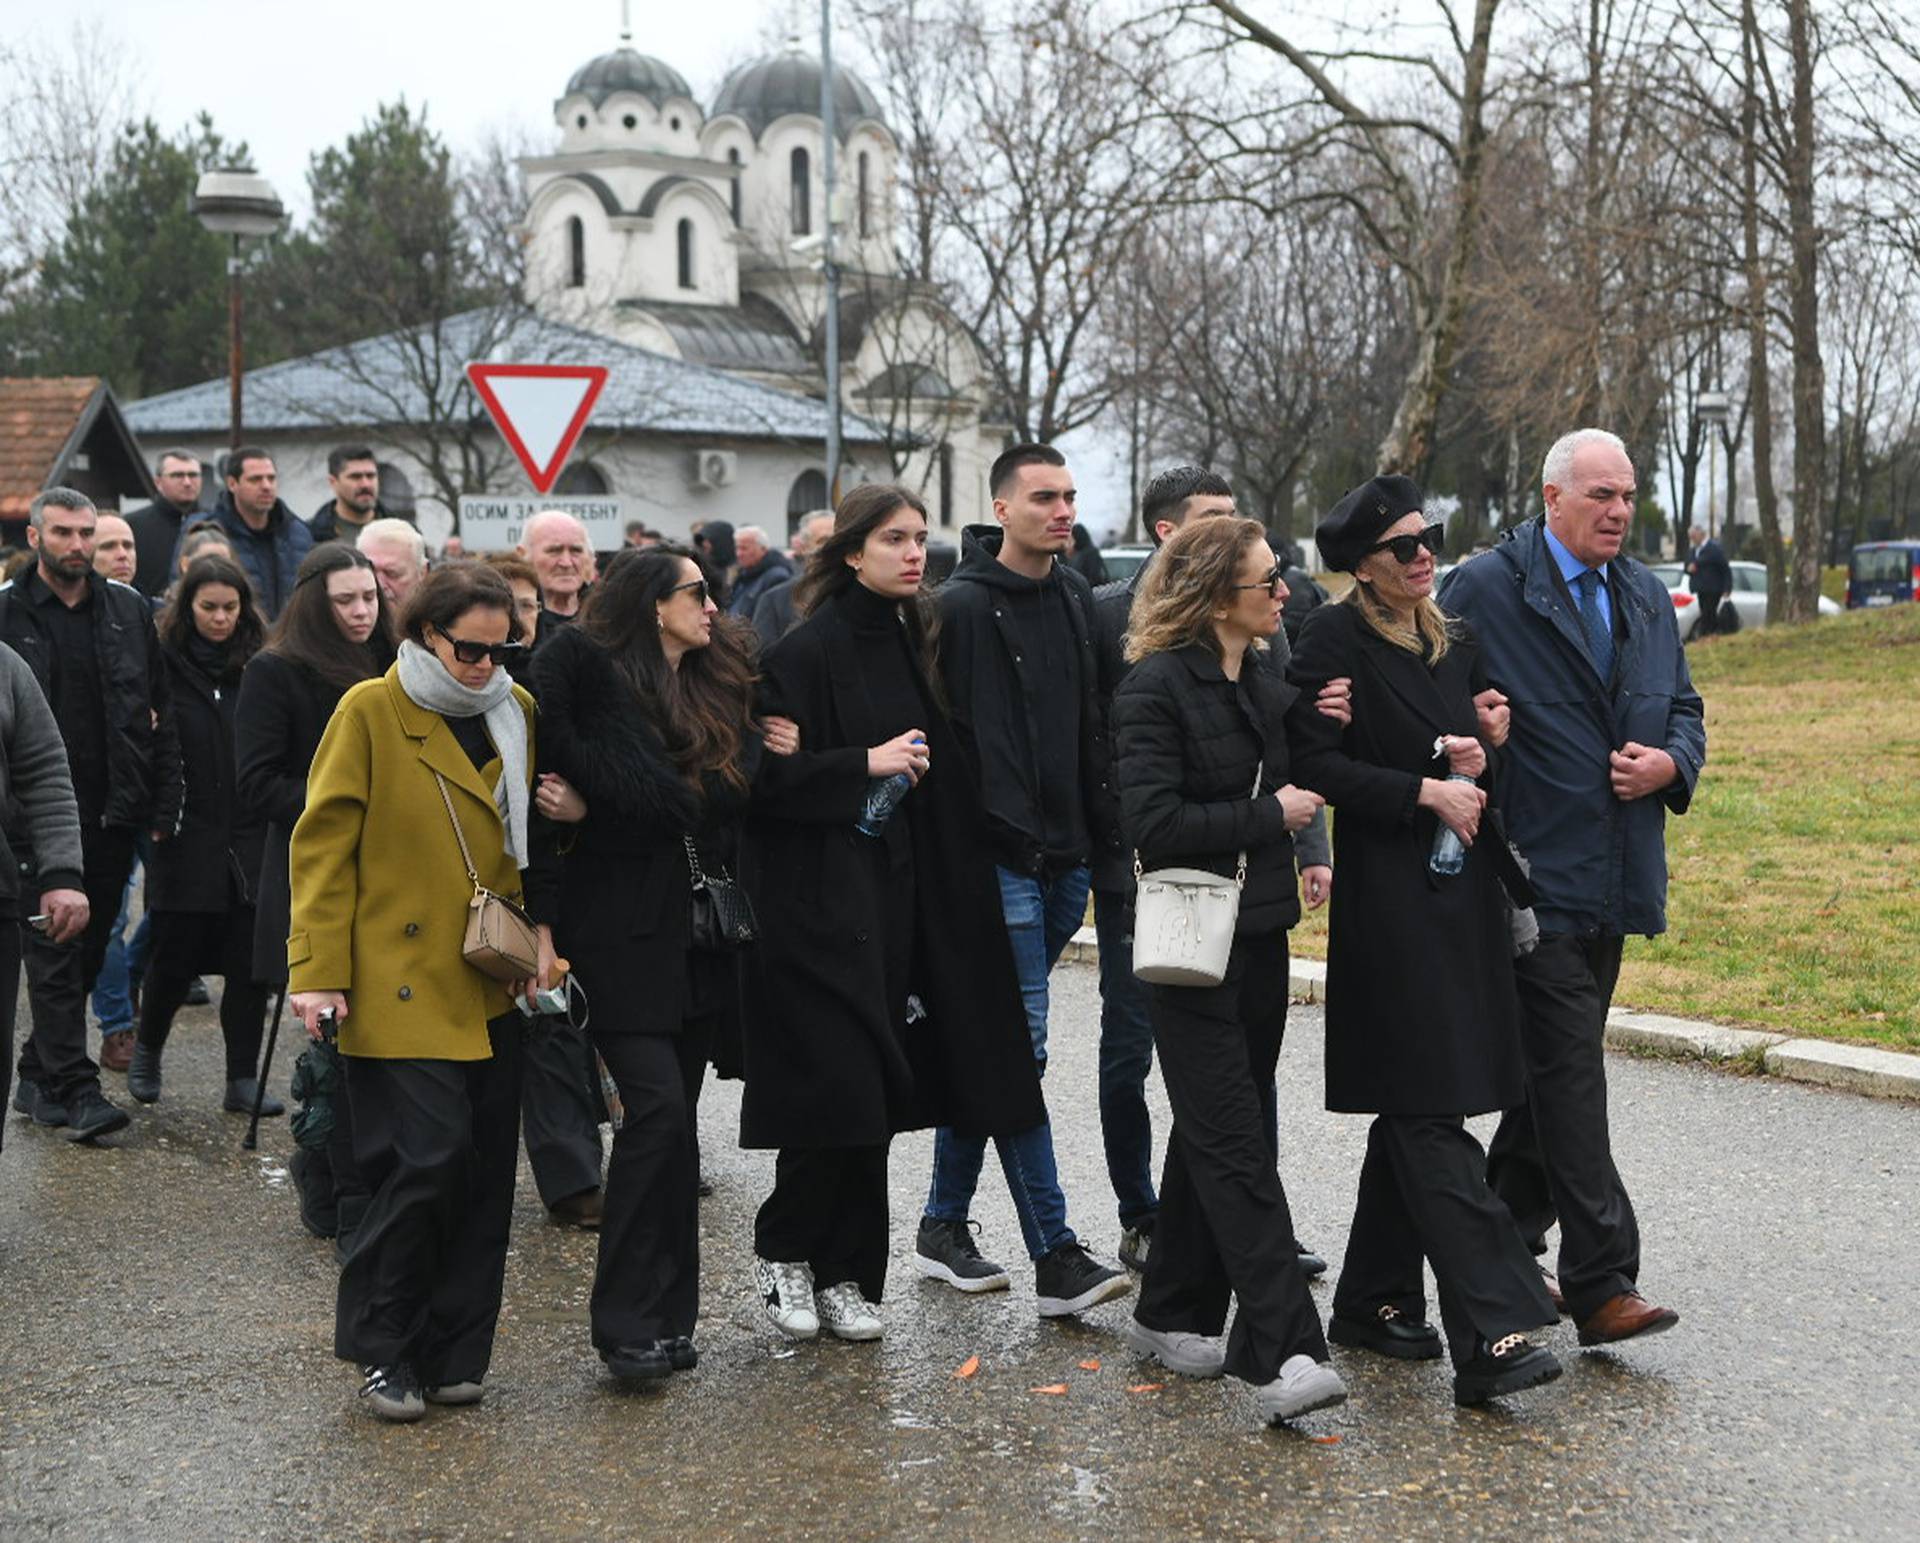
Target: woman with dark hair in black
x,y
334,632
646,709
200,886
882,995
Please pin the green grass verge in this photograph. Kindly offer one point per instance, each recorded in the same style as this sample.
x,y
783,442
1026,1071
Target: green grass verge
x,y
1794,898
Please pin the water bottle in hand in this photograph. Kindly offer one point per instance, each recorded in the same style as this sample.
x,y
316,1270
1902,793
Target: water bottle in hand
x,y
1449,851
883,797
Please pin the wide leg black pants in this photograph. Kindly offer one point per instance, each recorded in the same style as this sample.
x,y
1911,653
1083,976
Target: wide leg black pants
x,y
828,1211
1423,1192
559,1113
438,1145
1554,1157
1225,1227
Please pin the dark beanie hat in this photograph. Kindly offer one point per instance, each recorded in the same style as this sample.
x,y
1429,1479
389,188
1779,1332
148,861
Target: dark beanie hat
x,y
1359,519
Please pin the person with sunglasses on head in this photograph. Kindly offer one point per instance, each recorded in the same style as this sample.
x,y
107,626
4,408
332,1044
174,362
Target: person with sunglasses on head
x,y
1206,784
1422,1018
882,996
334,632
646,705
419,797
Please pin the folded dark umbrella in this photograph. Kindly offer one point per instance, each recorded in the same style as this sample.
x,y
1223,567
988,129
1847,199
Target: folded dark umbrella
x,y
316,1082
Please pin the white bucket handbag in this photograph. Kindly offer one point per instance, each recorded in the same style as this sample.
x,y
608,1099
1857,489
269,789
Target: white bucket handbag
x,y
1183,920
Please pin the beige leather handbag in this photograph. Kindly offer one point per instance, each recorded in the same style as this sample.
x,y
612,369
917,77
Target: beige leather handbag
x,y
502,941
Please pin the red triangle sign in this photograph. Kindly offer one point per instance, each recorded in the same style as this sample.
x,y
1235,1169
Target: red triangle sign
x,y
540,410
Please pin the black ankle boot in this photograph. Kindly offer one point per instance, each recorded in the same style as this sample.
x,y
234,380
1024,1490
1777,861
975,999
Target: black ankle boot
x,y
240,1096
143,1074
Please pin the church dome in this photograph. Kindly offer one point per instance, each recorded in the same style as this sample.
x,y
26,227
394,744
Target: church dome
x,y
626,69
790,83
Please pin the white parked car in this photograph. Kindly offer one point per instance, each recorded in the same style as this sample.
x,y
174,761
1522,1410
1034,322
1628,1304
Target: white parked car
x,y
1124,561
1745,607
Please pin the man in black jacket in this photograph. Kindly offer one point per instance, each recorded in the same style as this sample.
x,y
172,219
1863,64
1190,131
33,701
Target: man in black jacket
x,y
1126,1033
1710,576
268,538
1017,659
91,646
156,528
773,612
353,478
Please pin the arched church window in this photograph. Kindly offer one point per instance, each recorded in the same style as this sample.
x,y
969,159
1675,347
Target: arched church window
x,y
683,235
576,253
582,479
802,193
808,495
733,160
396,489
861,191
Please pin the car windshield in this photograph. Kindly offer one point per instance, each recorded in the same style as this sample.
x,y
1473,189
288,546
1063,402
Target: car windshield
x,y
1887,564
1670,574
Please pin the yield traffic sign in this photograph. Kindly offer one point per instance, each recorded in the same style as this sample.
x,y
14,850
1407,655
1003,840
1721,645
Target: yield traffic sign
x,y
539,409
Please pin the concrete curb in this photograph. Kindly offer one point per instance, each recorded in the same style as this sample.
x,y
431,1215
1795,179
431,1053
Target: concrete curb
x,y
1850,1068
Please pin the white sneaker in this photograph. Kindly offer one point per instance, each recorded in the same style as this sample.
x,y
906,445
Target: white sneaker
x,y
787,1290
1304,1384
1191,1355
846,1314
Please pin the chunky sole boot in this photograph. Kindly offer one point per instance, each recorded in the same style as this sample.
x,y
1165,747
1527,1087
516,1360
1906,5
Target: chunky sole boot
x,y
1492,1375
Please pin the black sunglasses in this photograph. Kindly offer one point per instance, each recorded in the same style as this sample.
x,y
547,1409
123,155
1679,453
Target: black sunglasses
x,y
1272,584
697,586
467,651
1406,548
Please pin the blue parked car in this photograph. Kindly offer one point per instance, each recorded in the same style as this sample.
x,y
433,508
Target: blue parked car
x,y
1883,573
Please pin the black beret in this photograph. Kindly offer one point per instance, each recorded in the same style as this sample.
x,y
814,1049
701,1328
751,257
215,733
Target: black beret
x,y
1359,519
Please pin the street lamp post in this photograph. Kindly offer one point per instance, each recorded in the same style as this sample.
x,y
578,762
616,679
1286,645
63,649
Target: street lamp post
x,y
1711,409
235,203
830,270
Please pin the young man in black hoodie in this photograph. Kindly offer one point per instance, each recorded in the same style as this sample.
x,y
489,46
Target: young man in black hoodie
x,y
1017,660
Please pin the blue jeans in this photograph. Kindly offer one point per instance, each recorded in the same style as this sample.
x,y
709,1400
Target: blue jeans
x,y
1126,1056
1041,918
126,960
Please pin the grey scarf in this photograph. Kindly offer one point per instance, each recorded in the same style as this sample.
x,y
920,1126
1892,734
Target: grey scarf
x,y
426,681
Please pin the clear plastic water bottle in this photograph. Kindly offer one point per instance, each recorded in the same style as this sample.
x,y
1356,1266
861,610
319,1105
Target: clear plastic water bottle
x,y
1449,851
883,796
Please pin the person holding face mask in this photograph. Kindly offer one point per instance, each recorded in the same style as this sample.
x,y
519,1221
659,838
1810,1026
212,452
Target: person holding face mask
x,y
201,882
1422,1017
882,996
419,793
334,633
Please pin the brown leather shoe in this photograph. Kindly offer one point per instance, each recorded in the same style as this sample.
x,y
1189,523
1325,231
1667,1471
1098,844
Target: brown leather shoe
x,y
1552,1283
581,1210
116,1051
1626,1316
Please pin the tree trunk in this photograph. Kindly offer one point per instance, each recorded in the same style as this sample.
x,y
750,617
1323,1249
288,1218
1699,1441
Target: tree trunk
x,y
1809,372
1759,375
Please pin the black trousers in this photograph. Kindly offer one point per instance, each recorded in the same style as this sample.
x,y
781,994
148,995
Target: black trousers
x,y
1423,1192
9,1003
185,943
438,1143
60,976
559,1109
1554,1157
647,1283
1709,603
1225,1227
828,1211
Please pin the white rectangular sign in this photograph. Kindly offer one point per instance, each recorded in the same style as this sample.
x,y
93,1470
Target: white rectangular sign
x,y
494,523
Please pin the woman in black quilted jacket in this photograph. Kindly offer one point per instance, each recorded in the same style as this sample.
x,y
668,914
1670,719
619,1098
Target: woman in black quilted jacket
x,y
1202,759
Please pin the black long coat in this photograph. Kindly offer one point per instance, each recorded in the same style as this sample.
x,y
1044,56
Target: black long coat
x,y
282,712
1421,1013
625,907
826,1065
212,861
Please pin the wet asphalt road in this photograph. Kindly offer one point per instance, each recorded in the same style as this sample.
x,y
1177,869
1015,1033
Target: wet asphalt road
x,y
165,1369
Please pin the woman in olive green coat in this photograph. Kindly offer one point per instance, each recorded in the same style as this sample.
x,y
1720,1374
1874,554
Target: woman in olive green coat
x,y
380,901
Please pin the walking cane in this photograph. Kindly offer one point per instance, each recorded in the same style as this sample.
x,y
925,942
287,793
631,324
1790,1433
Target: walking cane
x,y
251,1140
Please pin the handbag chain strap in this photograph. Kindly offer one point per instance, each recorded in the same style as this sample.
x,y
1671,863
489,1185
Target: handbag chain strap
x,y
458,834
693,862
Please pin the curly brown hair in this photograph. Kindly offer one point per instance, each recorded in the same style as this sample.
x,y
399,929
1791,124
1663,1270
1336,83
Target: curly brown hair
x,y
1188,579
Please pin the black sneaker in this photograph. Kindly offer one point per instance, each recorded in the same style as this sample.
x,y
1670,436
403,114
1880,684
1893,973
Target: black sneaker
x,y
25,1091
1311,1264
1507,1367
45,1111
649,1362
682,1354
1070,1280
197,993
944,1251
1136,1242
92,1114
393,1392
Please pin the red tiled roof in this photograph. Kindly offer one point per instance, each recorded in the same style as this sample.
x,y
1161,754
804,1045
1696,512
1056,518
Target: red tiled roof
x,y
37,417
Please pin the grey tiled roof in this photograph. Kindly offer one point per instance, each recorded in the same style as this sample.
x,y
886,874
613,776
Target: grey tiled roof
x,y
380,383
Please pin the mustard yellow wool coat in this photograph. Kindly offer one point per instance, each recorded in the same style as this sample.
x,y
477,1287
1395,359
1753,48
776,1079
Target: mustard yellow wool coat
x,y
380,895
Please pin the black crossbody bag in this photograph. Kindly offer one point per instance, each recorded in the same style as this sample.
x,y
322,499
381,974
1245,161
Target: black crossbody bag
x,y
723,917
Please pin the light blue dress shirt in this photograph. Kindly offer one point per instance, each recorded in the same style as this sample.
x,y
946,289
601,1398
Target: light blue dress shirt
x,y
1571,568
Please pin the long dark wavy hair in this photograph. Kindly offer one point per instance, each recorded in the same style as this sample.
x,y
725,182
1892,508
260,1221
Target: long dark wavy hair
x,y
703,711
862,511
176,627
307,633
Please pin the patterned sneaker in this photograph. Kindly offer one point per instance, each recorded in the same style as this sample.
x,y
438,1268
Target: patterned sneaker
x,y
944,1251
1303,1385
1135,1244
393,1393
846,1314
787,1290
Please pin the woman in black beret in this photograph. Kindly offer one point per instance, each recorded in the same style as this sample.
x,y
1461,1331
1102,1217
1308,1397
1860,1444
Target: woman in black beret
x,y
1422,1018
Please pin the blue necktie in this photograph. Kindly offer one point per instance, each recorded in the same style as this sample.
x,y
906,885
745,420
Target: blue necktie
x,y
1599,636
